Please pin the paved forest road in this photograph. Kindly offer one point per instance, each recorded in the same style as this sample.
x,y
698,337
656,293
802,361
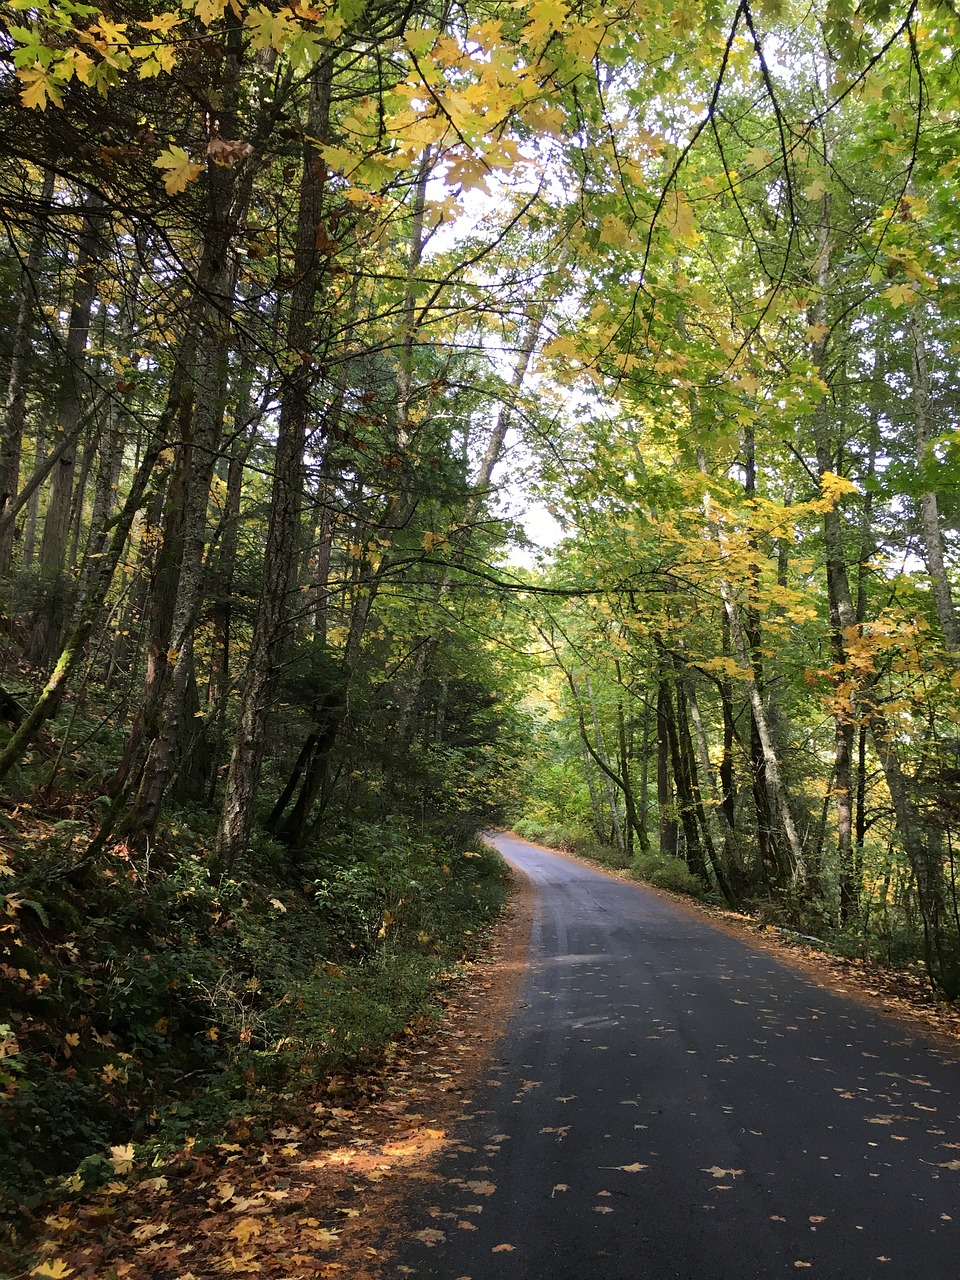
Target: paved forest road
x,y
670,1103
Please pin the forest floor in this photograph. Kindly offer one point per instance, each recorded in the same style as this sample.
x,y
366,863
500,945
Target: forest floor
x,y
324,1196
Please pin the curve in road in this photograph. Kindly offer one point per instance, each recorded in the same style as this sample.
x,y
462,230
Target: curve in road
x,y
672,1103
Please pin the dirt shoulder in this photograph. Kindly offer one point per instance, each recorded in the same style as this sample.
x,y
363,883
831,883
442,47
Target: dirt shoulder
x,y
322,1196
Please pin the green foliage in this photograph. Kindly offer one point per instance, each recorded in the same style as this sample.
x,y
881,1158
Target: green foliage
x,y
664,872
150,1000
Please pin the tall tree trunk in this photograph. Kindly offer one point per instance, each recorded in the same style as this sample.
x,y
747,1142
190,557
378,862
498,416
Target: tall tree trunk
x,y
929,513
669,830
15,402
283,533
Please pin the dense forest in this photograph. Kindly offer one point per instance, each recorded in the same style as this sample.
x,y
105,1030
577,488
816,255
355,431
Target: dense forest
x,y
302,307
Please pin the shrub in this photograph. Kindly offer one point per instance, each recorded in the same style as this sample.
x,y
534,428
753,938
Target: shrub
x,y
666,873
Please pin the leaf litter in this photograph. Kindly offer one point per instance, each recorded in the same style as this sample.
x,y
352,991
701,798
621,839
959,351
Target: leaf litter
x,y
320,1198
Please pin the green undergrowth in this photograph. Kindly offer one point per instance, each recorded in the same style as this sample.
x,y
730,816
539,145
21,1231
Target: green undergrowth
x,y
657,869
144,999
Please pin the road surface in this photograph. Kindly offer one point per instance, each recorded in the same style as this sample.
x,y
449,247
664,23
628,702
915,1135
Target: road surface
x,y
670,1103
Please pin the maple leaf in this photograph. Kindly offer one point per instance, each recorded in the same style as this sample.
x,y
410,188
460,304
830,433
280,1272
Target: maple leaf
x,y
122,1158
55,1269
900,295
40,87
429,1236
179,169
246,1228
209,10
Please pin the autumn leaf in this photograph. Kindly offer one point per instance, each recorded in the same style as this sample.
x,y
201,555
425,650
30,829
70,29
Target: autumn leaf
x,y
179,169
716,1172
503,1248
122,1158
55,1269
900,295
246,1229
429,1236
209,10
40,87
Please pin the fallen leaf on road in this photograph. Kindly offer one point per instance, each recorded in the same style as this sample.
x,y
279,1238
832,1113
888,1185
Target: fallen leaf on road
x,y
561,1186
602,1208
503,1248
482,1188
803,1264
950,1164
717,1172
429,1236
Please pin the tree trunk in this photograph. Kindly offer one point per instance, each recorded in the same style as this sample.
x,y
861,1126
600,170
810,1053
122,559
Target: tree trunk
x,y
15,403
929,513
283,533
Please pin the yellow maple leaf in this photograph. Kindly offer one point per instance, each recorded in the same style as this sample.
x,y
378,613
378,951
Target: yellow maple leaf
x,y
122,1158
40,87
163,22
900,295
179,169
246,1228
55,1269
209,10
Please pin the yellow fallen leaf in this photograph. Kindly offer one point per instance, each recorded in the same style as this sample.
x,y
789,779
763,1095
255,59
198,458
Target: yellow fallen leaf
x,y
55,1269
561,1186
482,1188
149,1231
122,1158
246,1228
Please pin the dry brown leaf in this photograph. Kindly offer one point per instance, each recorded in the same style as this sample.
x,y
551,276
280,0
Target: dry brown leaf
x,y
503,1248
429,1236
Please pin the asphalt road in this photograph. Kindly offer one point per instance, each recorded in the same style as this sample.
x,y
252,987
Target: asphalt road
x,y
670,1103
